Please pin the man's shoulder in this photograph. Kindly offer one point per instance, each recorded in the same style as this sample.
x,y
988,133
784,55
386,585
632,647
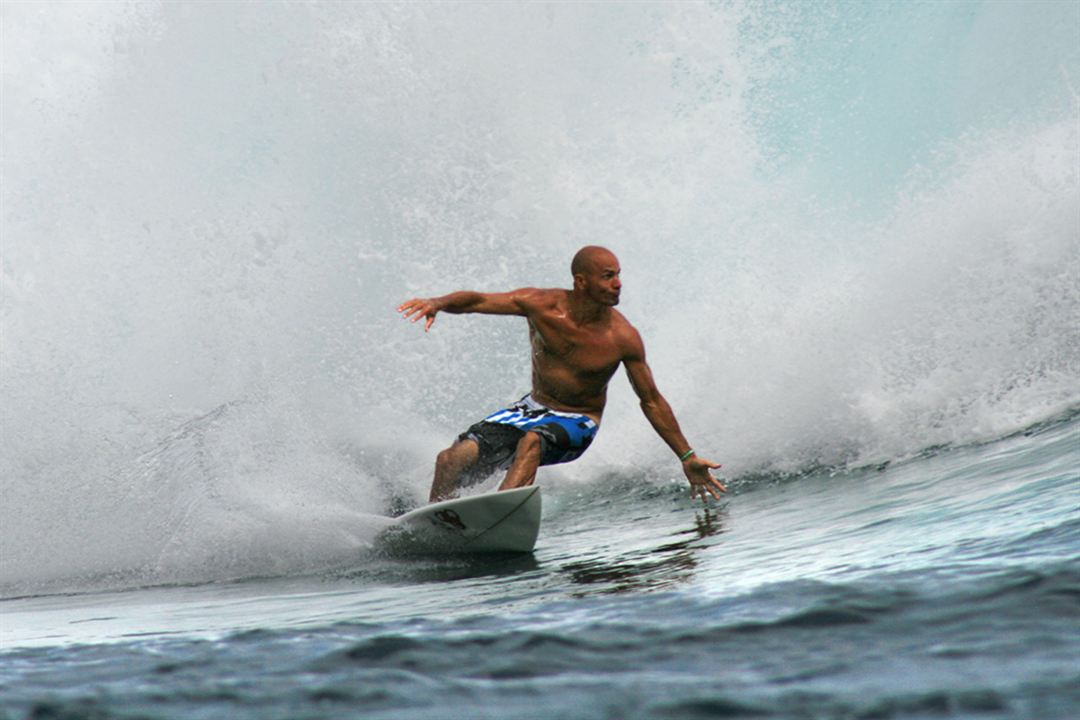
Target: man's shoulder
x,y
628,336
540,298
620,324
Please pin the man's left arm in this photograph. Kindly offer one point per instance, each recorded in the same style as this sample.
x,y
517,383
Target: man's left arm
x,y
660,415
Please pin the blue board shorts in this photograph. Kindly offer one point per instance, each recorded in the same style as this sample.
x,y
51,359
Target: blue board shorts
x,y
563,436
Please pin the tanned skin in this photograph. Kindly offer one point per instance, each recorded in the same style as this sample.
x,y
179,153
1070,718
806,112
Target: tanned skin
x,y
578,342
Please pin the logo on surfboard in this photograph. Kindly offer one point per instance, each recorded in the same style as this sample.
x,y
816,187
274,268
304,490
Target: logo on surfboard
x,y
448,519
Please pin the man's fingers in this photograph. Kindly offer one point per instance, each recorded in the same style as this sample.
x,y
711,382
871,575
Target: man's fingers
x,y
705,486
706,489
417,308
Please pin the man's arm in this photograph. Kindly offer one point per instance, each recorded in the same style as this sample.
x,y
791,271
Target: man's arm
x,y
663,420
515,302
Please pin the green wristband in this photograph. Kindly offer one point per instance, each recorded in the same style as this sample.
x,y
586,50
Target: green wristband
x,y
686,455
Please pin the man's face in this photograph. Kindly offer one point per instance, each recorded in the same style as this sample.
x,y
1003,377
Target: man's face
x,y
602,284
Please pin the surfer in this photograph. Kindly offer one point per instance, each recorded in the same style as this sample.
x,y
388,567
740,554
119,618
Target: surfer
x,y
578,342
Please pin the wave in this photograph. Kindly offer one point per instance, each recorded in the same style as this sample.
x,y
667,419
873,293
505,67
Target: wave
x,y
205,368
191,511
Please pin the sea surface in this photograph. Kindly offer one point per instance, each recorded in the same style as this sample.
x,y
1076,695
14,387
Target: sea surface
x,y
947,584
849,235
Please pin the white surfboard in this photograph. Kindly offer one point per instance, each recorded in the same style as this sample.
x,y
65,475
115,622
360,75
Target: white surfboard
x,y
507,521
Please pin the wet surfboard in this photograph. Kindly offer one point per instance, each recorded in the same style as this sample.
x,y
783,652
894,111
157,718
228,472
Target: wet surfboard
x,y
507,521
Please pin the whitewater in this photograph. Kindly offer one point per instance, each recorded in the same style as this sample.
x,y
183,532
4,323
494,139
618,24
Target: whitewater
x,y
850,239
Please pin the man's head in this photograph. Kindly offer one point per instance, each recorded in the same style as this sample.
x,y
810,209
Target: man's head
x,y
596,275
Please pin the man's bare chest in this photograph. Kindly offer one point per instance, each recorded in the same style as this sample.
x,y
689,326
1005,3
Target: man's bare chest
x,y
588,350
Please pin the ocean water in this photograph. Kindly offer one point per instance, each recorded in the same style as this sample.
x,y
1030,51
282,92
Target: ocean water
x,y
850,237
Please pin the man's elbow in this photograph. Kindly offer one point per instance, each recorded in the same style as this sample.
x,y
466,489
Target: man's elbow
x,y
651,403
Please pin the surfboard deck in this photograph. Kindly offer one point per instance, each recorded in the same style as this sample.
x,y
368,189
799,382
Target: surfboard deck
x,y
507,521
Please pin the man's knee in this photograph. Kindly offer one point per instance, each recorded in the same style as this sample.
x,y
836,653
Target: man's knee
x,y
461,454
445,457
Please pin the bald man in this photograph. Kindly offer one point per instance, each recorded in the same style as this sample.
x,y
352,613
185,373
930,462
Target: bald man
x,y
579,340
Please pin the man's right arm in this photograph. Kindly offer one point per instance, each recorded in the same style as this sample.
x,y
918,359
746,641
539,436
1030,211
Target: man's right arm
x,y
515,302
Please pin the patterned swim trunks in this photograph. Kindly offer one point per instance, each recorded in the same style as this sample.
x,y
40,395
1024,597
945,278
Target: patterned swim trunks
x,y
563,436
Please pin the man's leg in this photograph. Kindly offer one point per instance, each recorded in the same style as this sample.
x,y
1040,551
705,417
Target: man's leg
x,y
526,460
449,466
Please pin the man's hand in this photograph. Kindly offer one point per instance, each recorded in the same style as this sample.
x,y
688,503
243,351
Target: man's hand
x,y
420,307
701,480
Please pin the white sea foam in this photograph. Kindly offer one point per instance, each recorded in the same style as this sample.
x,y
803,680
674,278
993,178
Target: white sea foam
x,y
210,212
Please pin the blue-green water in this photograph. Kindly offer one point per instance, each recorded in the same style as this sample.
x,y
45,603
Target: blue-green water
x,y
945,585
850,237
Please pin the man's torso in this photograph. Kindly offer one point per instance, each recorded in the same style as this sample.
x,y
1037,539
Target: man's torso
x,y
572,363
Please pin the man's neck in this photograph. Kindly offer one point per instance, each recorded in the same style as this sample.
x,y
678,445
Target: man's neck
x,y
584,311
